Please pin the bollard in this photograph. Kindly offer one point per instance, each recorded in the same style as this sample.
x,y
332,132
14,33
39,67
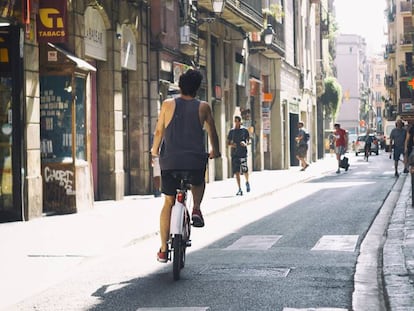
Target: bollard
x,y
412,186
411,164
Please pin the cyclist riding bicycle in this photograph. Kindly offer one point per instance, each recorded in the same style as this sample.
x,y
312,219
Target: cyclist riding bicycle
x,y
368,141
179,144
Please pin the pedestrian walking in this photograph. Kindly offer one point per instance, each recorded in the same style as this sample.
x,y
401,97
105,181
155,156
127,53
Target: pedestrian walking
x,y
341,144
302,139
397,141
238,138
409,143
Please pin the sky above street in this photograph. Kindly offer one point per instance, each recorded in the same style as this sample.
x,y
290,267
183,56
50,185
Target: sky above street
x,y
365,18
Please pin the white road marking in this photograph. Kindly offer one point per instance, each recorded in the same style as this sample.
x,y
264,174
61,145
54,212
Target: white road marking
x,y
341,243
175,309
314,309
363,173
254,242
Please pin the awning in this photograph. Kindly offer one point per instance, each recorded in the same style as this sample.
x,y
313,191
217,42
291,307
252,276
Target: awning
x,y
80,63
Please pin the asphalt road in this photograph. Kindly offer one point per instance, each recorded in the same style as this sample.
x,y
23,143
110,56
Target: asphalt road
x,y
294,249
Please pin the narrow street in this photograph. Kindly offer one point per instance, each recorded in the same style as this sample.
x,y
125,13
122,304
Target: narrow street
x,y
296,248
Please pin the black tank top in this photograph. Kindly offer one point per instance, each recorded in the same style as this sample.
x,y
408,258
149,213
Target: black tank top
x,y
183,145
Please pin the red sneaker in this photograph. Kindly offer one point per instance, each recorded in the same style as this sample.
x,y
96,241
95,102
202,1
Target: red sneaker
x,y
197,218
162,256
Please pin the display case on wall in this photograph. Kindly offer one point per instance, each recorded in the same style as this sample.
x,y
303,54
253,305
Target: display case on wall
x,y
66,169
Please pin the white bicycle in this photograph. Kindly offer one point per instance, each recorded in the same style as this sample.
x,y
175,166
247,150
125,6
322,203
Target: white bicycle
x,y
180,227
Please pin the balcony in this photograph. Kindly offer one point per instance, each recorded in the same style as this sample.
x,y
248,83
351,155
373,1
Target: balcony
x,y
391,14
390,48
405,7
406,38
389,81
246,14
277,48
406,71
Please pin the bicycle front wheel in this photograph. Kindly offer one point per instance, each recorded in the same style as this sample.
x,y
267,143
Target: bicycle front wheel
x,y
177,244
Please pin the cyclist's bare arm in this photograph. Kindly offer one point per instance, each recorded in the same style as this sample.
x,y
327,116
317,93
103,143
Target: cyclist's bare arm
x,y
206,117
164,118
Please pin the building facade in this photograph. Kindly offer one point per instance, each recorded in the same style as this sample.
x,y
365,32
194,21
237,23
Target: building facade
x,y
351,68
82,82
398,55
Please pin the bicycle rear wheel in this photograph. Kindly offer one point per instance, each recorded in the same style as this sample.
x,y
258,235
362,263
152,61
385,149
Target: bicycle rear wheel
x,y
177,245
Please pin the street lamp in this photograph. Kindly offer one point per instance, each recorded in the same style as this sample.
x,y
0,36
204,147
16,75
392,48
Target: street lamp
x,y
268,35
218,6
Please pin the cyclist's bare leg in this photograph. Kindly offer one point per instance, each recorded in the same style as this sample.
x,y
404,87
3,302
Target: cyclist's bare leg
x,y
165,221
198,193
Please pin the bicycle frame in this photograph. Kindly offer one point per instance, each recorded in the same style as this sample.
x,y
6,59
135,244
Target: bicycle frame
x,y
180,229
177,214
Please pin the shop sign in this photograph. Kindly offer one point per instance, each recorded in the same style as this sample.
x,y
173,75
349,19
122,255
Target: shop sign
x,y
95,34
267,97
166,66
129,49
52,21
294,107
407,107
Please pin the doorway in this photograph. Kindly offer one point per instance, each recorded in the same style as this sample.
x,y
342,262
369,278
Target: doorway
x,y
293,131
10,128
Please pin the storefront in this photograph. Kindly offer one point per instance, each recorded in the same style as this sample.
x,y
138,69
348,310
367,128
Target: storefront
x,y
10,123
64,131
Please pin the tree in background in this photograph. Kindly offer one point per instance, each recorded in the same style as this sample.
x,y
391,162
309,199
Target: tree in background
x,y
331,99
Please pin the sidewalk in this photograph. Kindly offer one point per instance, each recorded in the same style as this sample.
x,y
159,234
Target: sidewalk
x,y
398,253
111,225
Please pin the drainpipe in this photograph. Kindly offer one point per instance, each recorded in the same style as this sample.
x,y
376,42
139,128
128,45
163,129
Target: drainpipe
x,y
148,12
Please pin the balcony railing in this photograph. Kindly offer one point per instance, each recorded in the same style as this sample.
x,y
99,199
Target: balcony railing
x,y
246,14
406,38
390,48
406,71
277,47
389,81
405,7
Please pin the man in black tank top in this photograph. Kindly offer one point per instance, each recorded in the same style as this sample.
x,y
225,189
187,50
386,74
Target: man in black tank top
x,y
179,145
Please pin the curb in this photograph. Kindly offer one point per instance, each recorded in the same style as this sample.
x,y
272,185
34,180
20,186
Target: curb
x,y
398,286
368,286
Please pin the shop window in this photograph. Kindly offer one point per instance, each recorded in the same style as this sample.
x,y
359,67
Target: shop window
x,y
56,117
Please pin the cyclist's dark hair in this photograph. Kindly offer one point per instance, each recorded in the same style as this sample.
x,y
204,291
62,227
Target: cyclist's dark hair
x,y
238,118
190,82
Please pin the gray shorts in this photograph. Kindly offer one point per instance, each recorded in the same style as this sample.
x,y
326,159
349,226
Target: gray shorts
x,y
302,150
340,150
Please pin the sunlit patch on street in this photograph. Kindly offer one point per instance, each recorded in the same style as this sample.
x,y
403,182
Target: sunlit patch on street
x,y
340,243
254,242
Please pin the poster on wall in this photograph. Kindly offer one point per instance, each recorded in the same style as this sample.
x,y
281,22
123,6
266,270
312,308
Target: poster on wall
x,y
52,21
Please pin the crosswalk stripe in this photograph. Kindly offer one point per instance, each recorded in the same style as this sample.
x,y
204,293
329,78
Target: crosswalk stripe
x,y
341,243
174,309
254,242
314,309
